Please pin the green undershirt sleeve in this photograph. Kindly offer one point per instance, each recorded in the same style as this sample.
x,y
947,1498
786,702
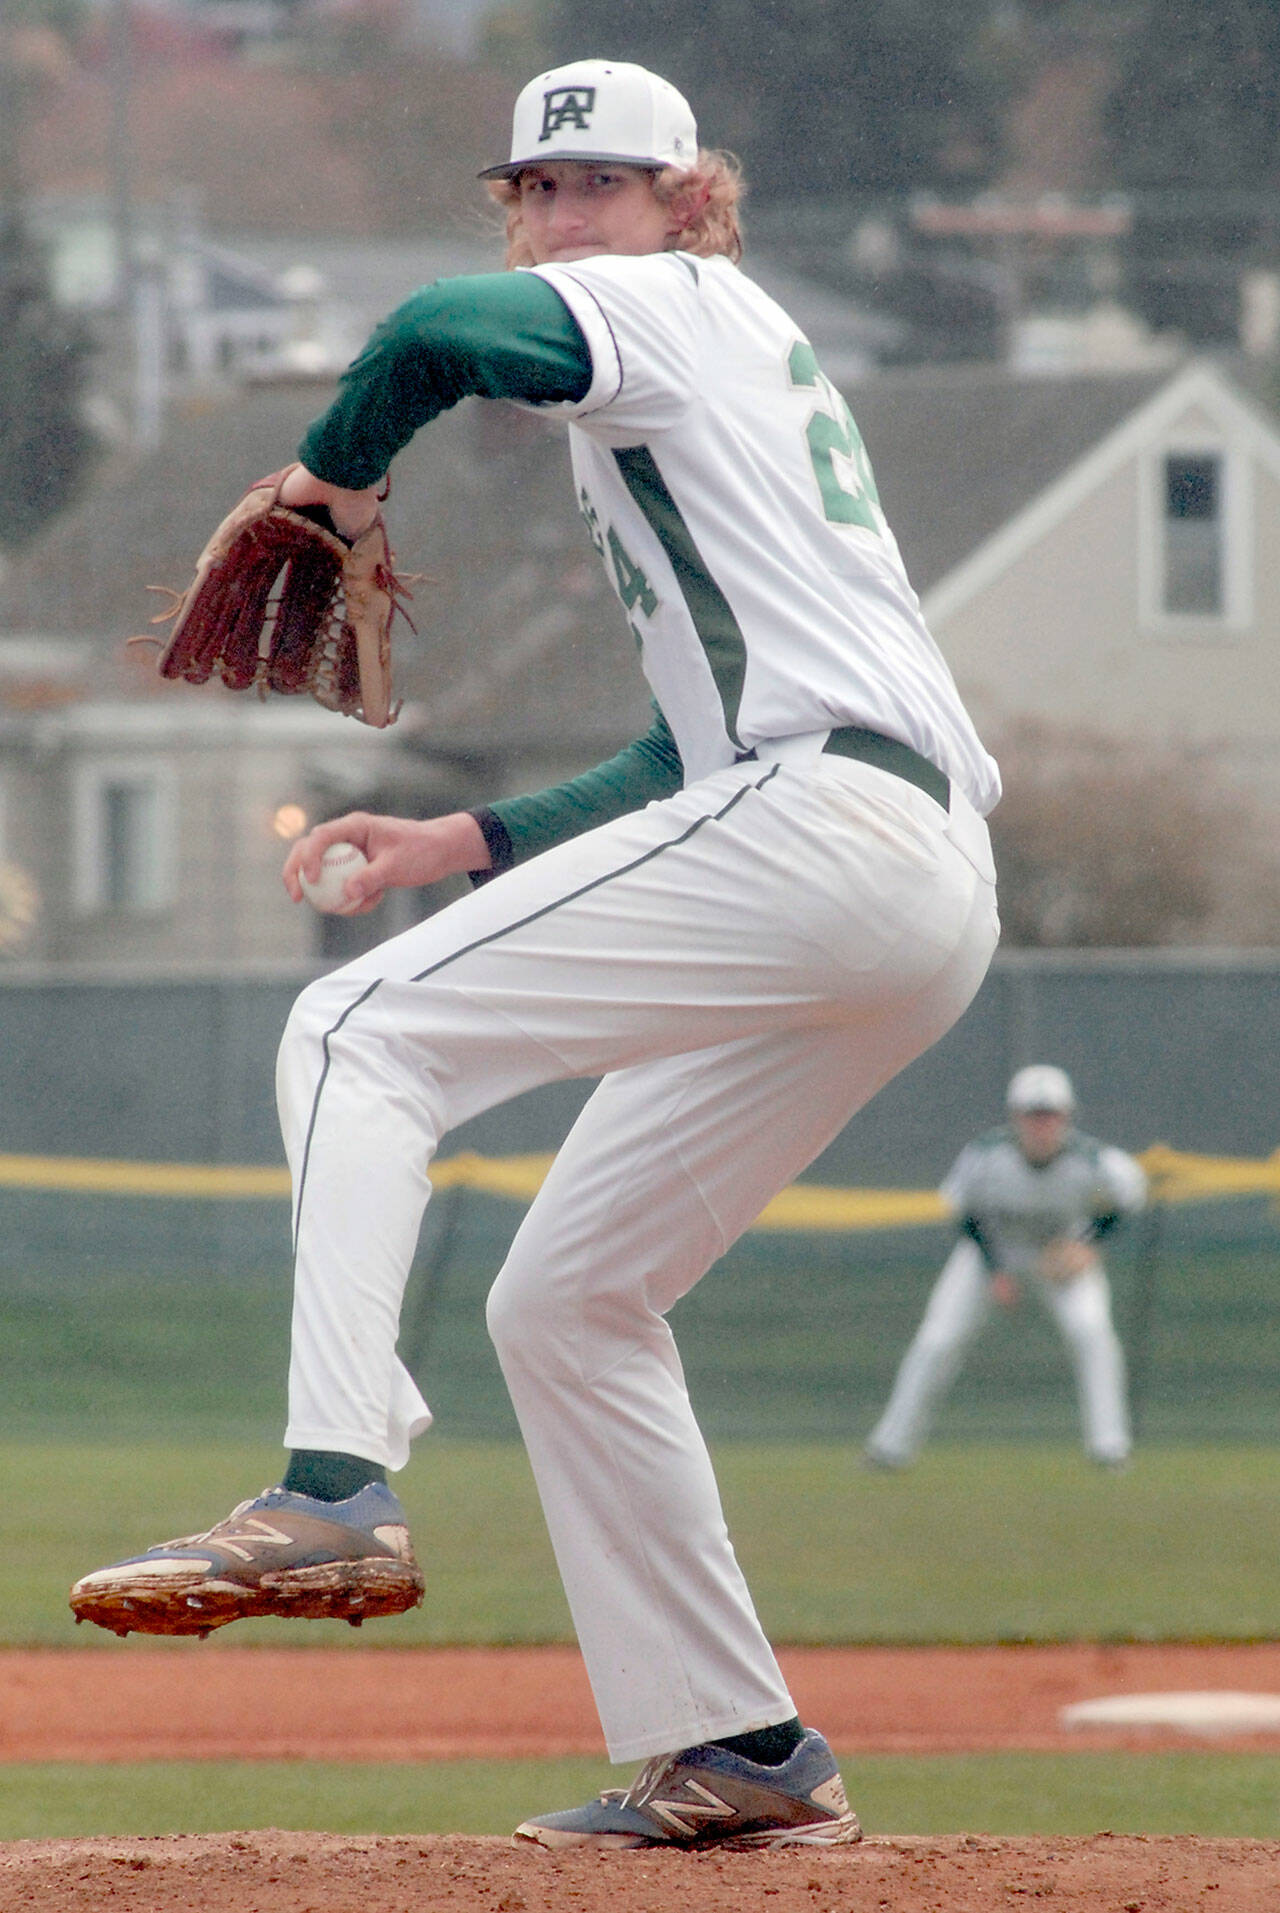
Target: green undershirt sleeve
x,y
517,828
491,335
970,1226
498,335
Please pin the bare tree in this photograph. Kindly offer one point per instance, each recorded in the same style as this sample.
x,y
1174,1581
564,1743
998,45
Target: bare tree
x,y
1107,845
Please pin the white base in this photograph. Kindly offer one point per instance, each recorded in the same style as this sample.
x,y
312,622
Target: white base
x,y
1193,1713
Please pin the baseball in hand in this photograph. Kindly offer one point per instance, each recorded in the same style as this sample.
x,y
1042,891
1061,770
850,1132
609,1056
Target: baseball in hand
x,y
339,862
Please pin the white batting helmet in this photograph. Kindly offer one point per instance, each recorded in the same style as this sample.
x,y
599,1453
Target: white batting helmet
x,y
1041,1086
601,110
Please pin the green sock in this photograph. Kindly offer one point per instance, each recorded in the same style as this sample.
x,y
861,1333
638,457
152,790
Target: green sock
x,y
767,1746
326,1477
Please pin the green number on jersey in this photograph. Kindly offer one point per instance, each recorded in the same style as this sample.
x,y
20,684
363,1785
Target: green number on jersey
x,y
591,519
633,587
848,495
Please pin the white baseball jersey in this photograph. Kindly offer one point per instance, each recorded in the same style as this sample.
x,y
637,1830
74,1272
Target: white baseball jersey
x,y
726,487
743,961
1022,1206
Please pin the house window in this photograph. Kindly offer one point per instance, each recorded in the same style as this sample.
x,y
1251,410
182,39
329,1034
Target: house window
x,y
123,849
128,832
1194,554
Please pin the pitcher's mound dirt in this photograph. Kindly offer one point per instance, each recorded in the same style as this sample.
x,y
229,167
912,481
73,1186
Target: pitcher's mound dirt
x,y
309,1873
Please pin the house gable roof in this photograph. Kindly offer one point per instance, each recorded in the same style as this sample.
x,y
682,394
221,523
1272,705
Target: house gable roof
x,y
958,450
1141,413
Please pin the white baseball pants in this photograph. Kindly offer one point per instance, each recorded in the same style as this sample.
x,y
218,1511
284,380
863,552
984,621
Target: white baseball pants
x,y
959,1305
745,964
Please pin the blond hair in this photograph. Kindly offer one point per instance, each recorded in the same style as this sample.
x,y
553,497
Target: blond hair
x,y
715,178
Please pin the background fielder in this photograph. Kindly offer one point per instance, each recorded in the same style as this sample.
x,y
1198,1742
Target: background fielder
x,y
1032,1201
745,924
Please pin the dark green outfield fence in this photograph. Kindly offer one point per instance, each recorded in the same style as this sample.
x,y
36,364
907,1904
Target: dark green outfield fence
x,y
1173,1047
154,1315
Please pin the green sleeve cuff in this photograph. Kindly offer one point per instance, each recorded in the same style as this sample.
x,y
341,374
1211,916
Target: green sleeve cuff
x,y
971,1227
517,828
505,335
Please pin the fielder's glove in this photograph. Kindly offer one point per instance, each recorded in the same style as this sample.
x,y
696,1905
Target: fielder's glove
x,y
1065,1258
282,602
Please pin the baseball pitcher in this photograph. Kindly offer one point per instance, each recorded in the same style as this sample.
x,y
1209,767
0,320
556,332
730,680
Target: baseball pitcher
x,y
745,924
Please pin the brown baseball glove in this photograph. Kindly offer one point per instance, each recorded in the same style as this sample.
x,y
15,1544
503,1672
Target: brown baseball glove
x,y
1063,1259
282,602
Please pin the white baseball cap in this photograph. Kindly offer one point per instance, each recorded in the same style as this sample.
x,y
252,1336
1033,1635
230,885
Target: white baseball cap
x,y
1042,1086
602,110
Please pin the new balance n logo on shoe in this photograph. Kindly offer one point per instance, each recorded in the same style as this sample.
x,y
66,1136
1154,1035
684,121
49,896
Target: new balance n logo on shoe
x,y
687,1818
247,1545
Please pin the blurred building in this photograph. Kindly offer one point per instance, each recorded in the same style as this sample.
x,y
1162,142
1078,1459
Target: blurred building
x,y
1094,548
1098,552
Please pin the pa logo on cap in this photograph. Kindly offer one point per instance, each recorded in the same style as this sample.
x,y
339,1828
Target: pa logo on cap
x,y
604,111
567,106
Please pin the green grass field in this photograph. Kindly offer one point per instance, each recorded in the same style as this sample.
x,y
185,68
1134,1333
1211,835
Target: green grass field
x,y
1232,1795
974,1544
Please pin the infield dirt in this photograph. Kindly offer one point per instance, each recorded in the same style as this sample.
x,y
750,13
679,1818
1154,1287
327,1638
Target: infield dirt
x,y
130,1701
184,1701
312,1873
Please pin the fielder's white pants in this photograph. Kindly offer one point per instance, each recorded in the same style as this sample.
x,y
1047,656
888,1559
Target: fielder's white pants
x,y
745,964
959,1305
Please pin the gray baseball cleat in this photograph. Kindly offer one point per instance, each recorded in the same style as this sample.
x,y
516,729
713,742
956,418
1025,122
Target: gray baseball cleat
x,y
879,1461
283,1554
707,1796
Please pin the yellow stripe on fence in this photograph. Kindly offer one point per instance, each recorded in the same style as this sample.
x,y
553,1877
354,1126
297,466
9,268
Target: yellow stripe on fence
x,y
808,1205
82,1175
1176,1176
805,1205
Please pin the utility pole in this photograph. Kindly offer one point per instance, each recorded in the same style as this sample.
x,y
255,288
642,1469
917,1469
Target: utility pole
x,y
10,120
121,64
139,286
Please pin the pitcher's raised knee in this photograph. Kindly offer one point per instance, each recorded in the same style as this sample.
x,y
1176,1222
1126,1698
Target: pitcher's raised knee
x,y
525,1322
